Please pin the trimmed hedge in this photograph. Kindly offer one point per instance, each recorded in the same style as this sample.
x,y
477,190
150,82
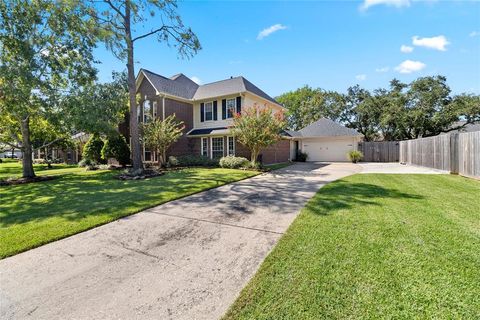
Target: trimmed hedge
x,y
232,162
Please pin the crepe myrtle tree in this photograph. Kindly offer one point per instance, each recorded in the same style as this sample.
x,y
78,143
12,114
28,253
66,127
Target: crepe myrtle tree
x,y
257,128
159,135
45,50
122,22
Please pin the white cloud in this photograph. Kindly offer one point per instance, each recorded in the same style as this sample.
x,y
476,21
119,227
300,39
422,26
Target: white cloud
x,y
383,69
474,34
409,66
406,49
268,31
361,77
437,43
393,3
196,80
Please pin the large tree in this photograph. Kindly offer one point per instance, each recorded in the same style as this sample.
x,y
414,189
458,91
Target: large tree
x,y
45,49
257,128
122,22
98,108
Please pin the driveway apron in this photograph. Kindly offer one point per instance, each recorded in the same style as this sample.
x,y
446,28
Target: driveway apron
x,y
186,259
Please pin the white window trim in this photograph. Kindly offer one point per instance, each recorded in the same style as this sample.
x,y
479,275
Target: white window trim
x,y
205,112
144,107
228,145
202,146
211,146
234,108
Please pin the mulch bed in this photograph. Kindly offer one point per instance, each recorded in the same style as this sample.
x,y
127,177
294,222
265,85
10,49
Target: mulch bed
x,y
144,175
15,181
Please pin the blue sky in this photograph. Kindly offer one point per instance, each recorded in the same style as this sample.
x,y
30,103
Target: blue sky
x,y
326,44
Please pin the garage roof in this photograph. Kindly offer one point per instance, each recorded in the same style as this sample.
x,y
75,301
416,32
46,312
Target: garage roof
x,y
327,128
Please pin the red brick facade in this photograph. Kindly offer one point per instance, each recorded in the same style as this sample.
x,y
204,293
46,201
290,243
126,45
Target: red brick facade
x,y
183,111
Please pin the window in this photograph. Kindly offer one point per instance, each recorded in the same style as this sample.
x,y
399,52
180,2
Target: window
x,y
147,155
147,111
217,147
208,111
205,147
139,118
231,108
231,146
154,109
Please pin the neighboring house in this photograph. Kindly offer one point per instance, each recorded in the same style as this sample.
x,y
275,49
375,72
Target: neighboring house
x,y
324,140
207,112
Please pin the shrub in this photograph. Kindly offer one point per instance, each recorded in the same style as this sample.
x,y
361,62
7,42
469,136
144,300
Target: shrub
x,y
355,156
301,156
93,149
104,167
85,162
233,162
173,161
116,147
253,166
196,161
1,161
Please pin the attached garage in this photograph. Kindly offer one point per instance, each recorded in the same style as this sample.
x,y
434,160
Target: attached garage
x,y
326,141
328,149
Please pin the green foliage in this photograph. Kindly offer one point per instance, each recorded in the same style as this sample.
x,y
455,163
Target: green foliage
x,y
93,149
116,147
173,161
306,105
46,50
233,162
301,156
196,161
85,162
422,108
98,107
355,156
257,128
159,135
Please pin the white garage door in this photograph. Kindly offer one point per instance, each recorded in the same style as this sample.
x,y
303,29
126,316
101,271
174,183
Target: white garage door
x,y
328,150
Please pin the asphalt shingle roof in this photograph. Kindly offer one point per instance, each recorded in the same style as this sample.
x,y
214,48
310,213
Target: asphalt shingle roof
x,y
326,128
181,86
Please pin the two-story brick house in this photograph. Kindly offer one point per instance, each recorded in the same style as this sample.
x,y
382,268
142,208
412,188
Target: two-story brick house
x,y
207,112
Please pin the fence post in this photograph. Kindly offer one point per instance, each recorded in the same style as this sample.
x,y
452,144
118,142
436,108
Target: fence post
x,y
454,153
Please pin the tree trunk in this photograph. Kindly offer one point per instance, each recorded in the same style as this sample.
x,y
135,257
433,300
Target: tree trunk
x,y
27,163
254,156
134,131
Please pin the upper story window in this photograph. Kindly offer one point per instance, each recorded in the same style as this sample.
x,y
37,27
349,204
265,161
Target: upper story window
x,y
147,111
231,108
208,111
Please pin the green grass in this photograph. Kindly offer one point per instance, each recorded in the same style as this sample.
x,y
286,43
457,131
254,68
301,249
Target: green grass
x,y
277,166
37,213
375,246
13,169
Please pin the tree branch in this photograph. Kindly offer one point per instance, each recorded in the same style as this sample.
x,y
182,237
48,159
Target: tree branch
x,y
115,9
149,33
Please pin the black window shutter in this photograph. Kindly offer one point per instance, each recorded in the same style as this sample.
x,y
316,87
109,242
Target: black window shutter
x,y
239,104
224,109
202,112
214,110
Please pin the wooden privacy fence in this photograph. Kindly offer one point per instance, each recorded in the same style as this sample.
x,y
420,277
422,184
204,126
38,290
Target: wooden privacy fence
x,y
379,151
455,153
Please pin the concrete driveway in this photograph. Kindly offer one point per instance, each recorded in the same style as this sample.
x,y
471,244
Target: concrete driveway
x,y
187,259
396,168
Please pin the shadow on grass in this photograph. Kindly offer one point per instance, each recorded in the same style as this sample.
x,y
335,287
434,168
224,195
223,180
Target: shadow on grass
x,y
344,195
74,197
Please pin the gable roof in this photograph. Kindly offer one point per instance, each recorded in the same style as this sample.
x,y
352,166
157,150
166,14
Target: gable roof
x,y
181,86
178,85
326,128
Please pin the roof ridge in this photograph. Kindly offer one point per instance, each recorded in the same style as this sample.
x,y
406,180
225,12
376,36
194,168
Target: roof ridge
x,y
156,74
206,84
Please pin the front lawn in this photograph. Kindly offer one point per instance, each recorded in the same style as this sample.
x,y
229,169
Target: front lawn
x,y
375,246
37,213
